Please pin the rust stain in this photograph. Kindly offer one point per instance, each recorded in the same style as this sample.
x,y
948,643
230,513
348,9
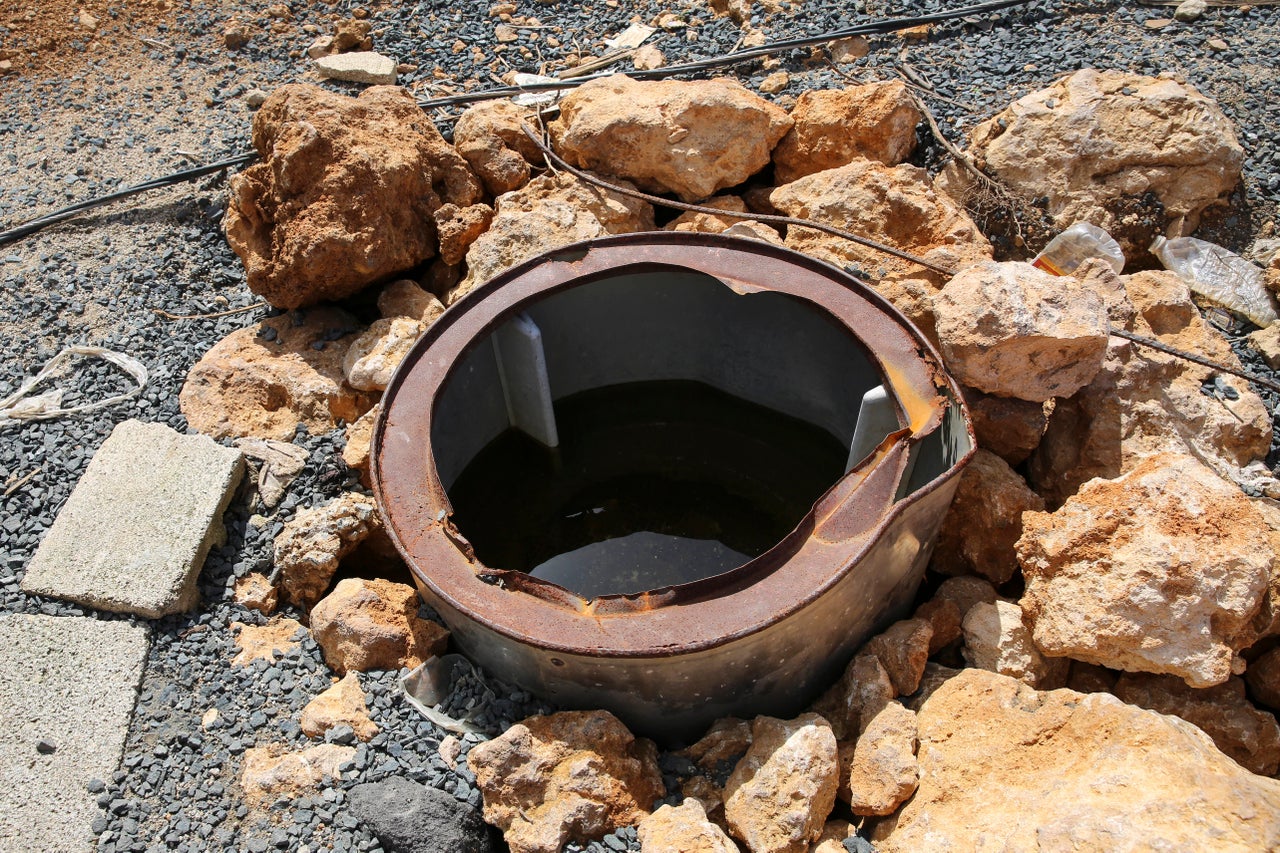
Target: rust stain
x,y
920,408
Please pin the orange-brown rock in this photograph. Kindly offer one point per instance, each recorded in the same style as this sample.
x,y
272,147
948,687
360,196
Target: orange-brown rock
x,y
850,703
359,436
984,521
313,543
256,592
270,774
683,829
726,741
374,624
902,648
1157,571
459,227
996,638
341,704
488,135
779,796
1248,735
405,298
883,771
690,138
1008,427
1067,771
709,223
571,776
280,634
374,355
344,195
833,127
265,380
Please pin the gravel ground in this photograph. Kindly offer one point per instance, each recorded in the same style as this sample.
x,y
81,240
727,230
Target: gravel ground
x,y
123,108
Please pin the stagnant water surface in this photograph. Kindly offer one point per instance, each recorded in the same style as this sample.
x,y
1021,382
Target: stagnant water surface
x,y
654,484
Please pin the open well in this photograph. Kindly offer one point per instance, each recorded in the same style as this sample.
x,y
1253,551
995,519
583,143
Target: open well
x,y
676,476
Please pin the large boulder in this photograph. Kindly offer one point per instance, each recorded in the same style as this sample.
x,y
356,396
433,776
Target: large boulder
x,y
1157,571
837,126
265,380
1015,331
344,195
1096,142
552,210
1144,401
571,776
1004,764
690,138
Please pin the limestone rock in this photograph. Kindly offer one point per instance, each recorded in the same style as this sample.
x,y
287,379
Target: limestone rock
x,y
352,35
708,223
1009,428
683,829
647,57
690,138
488,135
1267,343
1002,763
291,218
313,543
1144,401
1156,571
269,774
1263,678
551,211
575,775
1095,142
341,704
833,127
264,380
405,298
1248,735
373,624
256,592
897,206
1015,331
903,649
984,521
374,356
280,634
883,773
783,789
857,697
364,66
996,639
459,227
359,436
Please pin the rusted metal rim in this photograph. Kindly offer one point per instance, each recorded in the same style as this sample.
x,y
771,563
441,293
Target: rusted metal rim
x,y
785,581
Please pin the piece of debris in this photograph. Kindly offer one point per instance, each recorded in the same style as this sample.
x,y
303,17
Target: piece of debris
x,y
363,66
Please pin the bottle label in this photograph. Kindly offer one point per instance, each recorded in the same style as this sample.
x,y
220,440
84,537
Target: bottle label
x,y
1048,266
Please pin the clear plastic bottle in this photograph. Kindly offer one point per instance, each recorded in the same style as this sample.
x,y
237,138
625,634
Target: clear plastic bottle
x,y
1218,275
1076,245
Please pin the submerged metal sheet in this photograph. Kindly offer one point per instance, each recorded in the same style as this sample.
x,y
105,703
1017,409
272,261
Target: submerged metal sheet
x,y
763,638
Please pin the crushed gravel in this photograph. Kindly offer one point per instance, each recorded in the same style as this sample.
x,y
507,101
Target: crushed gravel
x,y
128,110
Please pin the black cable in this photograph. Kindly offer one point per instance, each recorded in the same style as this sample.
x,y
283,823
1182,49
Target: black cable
x,y
874,28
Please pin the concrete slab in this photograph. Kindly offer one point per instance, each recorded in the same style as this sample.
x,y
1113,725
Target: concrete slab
x,y
137,527
71,682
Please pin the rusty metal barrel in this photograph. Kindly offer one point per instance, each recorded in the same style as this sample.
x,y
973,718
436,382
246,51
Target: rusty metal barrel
x,y
750,319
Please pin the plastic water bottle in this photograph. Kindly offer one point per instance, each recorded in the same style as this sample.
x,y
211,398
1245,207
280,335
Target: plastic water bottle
x,y
1076,245
1218,275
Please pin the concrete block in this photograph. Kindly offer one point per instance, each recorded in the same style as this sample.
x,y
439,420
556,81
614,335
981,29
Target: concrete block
x,y
71,683
139,524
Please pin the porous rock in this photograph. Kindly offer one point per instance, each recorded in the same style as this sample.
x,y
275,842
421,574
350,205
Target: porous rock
x,y
902,648
269,774
944,618
965,592
291,218
313,543
1008,427
374,356
363,66
551,211
489,137
857,697
412,818
883,771
264,380
1156,571
359,437
984,521
373,624
279,464
257,593
1016,331
405,298
1143,401
1248,735
709,223
570,776
779,796
341,704
1061,770
279,635
459,227
1095,142
997,639
683,829
690,138
894,205
833,127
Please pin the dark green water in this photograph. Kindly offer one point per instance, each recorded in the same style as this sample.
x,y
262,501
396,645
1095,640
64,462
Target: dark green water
x,y
654,484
